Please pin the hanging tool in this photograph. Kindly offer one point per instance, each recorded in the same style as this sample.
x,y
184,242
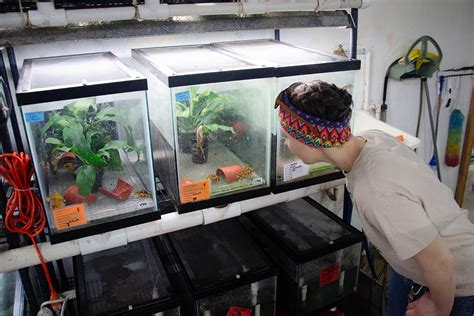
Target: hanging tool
x,y
422,64
456,121
453,146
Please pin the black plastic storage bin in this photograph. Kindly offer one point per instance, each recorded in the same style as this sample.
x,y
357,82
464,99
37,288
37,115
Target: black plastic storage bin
x,y
224,271
128,280
317,252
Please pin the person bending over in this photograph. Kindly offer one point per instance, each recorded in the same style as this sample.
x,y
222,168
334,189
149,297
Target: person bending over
x,y
406,212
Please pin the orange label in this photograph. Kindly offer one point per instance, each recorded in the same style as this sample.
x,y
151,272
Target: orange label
x,y
196,191
70,216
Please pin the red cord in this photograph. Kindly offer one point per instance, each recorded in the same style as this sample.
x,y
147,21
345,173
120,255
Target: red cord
x,y
24,213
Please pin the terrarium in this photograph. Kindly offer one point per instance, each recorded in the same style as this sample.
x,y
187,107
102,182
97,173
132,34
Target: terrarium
x,y
295,64
210,124
226,272
128,280
86,121
317,252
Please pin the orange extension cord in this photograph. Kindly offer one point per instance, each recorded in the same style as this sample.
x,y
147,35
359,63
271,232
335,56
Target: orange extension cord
x,y
24,213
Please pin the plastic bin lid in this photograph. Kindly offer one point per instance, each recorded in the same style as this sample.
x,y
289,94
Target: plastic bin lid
x,y
288,59
217,253
78,73
278,53
73,70
196,64
192,59
303,228
131,275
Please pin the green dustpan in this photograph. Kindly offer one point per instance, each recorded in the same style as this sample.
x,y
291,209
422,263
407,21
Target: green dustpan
x,y
418,62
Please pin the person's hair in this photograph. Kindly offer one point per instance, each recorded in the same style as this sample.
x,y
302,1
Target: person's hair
x,y
321,99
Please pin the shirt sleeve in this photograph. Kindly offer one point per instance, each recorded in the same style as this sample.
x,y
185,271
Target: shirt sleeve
x,y
404,224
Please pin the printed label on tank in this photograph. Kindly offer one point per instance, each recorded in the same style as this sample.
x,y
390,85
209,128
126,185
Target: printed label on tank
x,y
182,96
239,311
294,170
144,204
329,274
69,216
257,181
34,117
195,191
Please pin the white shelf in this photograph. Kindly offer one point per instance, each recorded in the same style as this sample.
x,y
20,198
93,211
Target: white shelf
x,y
364,122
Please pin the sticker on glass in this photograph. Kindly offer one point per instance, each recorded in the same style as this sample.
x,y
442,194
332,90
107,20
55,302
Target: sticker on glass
x,y
294,170
329,274
239,311
182,96
195,191
69,216
33,117
144,204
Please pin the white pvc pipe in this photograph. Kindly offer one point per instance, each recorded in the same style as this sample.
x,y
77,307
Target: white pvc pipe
x,y
47,15
216,214
366,102
168,223
12,20
99,14
26,256
204,9
324,5
153,9
258,203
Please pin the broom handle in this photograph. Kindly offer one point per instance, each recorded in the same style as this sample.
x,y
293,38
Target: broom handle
x,y
420,109
433,132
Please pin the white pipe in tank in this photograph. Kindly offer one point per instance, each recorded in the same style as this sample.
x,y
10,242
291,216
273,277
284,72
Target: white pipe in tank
x,y
26,256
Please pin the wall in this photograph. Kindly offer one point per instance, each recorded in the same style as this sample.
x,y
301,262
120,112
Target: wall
x,y
394,27
386,30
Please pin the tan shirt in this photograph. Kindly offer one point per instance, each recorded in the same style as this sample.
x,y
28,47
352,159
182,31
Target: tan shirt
x,y
403,207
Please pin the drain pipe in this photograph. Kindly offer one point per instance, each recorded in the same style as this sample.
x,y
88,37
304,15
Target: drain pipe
x,y
26,256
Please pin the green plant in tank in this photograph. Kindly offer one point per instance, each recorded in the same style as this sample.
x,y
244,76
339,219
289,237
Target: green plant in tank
x,y
89,130
202,109
199,116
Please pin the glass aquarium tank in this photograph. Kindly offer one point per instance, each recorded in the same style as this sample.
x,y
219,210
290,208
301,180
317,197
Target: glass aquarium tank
x,y
86,120
11,296
128,280
317,252
226,272
295,64
210,124
332,199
